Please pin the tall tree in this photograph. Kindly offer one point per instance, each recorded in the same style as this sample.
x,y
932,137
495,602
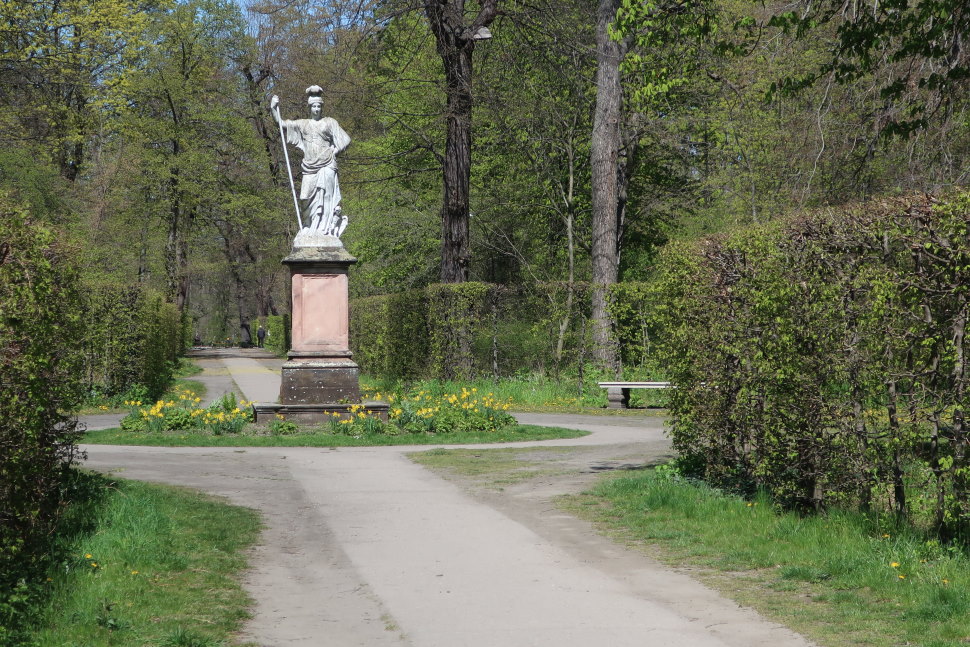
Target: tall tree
x,y
455,41
184,124
530,181
608,178
922,41
629,33
60,62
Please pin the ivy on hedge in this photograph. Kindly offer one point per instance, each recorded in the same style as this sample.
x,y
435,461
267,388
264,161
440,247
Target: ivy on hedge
x,y
824,358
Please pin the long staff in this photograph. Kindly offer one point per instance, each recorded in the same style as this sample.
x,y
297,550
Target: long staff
x,y
289,171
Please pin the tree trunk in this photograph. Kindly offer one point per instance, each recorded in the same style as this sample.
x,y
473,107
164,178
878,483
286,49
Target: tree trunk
x,y
455,42
455,253
176,248
606,182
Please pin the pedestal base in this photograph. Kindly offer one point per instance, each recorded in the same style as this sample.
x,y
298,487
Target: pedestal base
x,y
617,398
319,381
316,413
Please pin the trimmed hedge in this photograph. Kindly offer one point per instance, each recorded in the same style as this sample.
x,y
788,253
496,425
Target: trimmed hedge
x,y
40,324
60,343
131,342
455,331
825,359
278,333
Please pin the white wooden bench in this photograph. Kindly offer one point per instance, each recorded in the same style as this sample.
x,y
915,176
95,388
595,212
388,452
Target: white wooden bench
x,y
618,393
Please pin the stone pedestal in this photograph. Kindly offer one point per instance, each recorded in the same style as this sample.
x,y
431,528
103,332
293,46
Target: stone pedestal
x,y
320,377
320,368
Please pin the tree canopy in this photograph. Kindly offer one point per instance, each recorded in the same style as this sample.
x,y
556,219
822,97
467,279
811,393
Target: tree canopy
x,y
141,128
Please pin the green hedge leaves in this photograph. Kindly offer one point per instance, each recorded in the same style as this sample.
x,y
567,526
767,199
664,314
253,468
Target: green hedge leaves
x,y
40,325
456,331
131,342
824,358
59,344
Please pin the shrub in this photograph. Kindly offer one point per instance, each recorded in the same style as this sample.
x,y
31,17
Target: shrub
x,y
40,323
459,331
132,341
278,334
824,359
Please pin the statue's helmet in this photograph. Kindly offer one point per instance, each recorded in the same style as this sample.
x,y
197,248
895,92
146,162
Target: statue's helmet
x,y
314,95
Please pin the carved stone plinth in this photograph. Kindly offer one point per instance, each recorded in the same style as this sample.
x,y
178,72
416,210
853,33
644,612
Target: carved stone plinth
x,y
320,376
315,382
617,398
317,413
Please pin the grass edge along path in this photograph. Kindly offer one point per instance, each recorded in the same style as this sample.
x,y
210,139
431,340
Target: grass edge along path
x,y
317,438
838,579
158,566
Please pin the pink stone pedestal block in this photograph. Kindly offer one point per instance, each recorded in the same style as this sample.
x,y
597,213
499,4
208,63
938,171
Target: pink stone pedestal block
x,y
320,377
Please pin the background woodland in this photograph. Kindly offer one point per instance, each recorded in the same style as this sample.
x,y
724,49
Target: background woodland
x,y
140,130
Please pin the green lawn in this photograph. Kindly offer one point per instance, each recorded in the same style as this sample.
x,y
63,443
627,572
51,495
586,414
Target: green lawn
x,y
155,566
256,437
841,579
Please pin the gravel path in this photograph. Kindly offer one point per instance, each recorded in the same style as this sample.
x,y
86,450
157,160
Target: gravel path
x,y
364,547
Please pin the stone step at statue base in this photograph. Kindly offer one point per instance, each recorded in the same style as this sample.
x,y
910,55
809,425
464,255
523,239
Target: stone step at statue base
x,y
313,414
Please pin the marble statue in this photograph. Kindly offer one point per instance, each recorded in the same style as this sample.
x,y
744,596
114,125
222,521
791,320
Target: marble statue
x,y
321,139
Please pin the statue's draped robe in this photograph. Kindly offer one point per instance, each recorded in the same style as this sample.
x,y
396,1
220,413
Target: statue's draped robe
x,y
320,140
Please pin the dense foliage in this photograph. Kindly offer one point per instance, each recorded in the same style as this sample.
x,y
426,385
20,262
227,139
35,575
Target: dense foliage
x,y
471,329
132,339
60,343
824,358
40,325
142,128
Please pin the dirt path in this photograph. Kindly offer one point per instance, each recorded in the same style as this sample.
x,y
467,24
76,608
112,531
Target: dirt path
x,y
364,547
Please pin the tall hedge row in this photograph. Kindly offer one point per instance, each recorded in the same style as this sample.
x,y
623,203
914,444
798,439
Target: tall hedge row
x,y
40,324
59,344
825,358
454,331
131,341
278,333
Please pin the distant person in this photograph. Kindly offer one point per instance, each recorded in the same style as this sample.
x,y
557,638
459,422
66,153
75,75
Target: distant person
x,y
260,336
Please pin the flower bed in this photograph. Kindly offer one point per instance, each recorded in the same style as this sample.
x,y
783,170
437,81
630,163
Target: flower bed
x,y
225,416
424,412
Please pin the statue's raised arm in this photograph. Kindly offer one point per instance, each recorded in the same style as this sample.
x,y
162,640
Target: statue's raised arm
x,y
321,139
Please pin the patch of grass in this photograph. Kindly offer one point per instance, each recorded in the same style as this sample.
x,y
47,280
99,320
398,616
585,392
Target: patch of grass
x,y
186,368
254,436
190,387
116,404
494,468
840,578
157,566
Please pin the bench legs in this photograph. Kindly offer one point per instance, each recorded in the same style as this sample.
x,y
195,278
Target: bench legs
x,y
618,398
